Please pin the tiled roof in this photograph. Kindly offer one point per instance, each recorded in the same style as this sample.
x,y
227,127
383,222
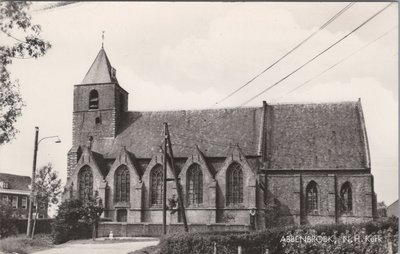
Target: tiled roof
x,y
315,136
16,182
297,136
214,131
101,71
393,209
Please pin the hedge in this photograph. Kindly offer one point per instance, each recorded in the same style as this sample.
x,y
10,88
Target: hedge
x,y
43,226
259,241
63,232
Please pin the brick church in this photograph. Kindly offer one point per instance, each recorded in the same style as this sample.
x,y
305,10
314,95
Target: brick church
x,y
309,162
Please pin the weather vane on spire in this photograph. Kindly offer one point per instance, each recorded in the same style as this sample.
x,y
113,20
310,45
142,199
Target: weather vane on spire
x,y
102,39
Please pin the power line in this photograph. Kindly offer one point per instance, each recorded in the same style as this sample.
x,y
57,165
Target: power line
x,y
230,112
290,51
312,59
319,54
341,61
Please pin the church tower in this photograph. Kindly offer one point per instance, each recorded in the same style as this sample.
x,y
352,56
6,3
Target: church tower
x,y
99,105
99,102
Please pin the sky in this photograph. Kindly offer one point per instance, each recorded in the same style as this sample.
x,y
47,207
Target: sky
x,y
171,55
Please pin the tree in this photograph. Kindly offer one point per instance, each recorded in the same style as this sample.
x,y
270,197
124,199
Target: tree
x,y
66,224
92,210
15,23
75,217
7,214
47,188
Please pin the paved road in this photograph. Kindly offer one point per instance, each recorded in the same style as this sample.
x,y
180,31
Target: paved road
x,y
98,248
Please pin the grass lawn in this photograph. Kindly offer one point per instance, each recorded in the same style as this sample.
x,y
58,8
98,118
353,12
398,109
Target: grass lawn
x,y
23,245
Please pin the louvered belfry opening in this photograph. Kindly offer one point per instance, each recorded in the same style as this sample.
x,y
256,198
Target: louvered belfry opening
x,y
94,99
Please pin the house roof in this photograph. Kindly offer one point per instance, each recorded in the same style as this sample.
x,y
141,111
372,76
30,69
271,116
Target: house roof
x,y
393,209
16,182
316,136
101,71
214,131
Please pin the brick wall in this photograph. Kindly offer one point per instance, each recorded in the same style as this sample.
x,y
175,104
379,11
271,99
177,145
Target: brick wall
x,y
84,125
113,101
144,229
290,192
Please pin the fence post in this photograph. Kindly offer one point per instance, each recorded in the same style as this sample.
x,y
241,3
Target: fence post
x,y
239,249
390,247
215,248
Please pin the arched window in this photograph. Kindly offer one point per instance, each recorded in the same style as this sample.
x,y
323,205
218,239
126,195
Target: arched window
x,y
122,184
194,183
346,198
93,99
156,185
234,192
312,197
85,183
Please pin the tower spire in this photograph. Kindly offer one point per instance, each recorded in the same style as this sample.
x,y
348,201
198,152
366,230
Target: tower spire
x,y
102,39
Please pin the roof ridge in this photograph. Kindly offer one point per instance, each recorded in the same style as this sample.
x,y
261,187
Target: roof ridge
x,y
313,103
198,110
13,175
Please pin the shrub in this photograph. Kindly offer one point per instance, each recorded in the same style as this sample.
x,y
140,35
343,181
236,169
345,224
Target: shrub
x,y
7,226
68,224
271,239
339,243
43,226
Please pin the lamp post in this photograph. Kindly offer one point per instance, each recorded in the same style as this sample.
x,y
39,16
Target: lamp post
x,y
36,145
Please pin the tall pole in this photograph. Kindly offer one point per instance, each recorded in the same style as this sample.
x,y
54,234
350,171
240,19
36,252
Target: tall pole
x,y
164,218
178,187
29,226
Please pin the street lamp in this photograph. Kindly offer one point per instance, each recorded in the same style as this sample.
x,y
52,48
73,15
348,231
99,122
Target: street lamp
x,y
36,145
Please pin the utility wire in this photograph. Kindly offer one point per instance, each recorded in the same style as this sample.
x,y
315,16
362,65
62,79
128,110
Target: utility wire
x,y
289,52
265,90
354,30
339,62
315,57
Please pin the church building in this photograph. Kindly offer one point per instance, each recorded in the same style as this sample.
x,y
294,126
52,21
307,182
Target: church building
x,y
310,163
